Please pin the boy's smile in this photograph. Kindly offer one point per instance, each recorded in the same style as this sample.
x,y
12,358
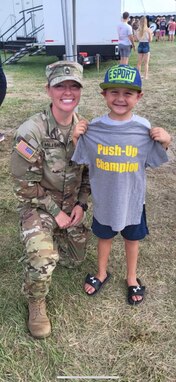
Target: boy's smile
x,y
121,101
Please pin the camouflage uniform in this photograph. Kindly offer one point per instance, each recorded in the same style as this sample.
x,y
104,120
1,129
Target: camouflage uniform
x,y
46,182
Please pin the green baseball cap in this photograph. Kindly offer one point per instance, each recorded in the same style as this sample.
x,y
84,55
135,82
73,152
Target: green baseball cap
x,y
123,76
64,70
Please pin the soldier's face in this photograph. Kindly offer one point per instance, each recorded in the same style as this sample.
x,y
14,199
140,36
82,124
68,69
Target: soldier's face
x,y
65,96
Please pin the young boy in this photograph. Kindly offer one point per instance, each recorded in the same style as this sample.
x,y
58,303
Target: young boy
x,y
118,147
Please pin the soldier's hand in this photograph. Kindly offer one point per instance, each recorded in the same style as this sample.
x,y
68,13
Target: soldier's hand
x,y
76,215
63,220
79,129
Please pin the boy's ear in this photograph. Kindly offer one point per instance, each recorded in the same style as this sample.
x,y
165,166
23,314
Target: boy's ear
x,y
140,95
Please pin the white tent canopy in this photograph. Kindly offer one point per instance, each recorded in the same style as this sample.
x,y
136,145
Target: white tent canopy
x,y
149,7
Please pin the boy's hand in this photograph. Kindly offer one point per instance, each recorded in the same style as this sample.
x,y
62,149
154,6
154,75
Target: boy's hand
x,y
161,135
79,129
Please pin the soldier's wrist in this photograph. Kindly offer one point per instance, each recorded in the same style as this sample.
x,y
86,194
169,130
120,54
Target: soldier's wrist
x,y
84,206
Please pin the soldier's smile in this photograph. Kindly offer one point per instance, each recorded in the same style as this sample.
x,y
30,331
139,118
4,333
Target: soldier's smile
x,y
65,96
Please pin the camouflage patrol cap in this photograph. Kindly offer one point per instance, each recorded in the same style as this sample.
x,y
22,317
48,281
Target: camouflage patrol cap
x,y
64,70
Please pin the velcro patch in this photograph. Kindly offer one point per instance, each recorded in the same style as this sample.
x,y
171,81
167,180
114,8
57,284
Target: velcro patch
x,y
25,150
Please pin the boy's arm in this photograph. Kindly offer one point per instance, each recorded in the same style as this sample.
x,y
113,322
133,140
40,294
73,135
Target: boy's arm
x,y
79,129
161,135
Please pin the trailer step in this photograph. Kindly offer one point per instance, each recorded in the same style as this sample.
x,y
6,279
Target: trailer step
x,y
18,55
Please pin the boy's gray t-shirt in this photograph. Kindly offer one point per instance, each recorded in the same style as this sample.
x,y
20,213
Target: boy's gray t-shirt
x,y
117,154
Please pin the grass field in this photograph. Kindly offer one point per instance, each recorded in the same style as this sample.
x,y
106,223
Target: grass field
x,y
101,336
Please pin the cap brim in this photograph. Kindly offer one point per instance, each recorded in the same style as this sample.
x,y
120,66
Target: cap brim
x,y
119,85
58,80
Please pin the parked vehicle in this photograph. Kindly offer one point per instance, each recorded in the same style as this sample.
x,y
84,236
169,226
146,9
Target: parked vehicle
x,y
39,27
96,28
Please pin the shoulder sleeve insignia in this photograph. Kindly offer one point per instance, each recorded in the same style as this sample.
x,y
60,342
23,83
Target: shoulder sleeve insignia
x,y
25,150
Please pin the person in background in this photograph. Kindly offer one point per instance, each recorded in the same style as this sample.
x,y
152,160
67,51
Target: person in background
x,y
157,31
51,190
3,89
144,36
130,20
162,28
135,26
3,84
126,39
118,147
171,29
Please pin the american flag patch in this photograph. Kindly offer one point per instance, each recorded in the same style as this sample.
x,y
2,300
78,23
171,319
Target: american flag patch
x,y
24,149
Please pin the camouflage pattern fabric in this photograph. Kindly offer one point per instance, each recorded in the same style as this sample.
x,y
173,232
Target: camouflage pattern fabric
x,y
45,245
46,181
64,71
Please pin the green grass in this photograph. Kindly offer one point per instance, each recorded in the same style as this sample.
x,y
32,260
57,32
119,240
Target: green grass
x,y
101,335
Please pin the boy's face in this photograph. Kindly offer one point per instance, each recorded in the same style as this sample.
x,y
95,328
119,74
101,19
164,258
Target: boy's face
x,y
121,102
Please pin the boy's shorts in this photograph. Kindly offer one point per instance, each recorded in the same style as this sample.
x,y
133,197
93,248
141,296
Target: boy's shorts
x,y
131,232
143,48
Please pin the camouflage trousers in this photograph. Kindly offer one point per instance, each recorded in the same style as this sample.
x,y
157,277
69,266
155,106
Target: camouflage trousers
x,y
45,245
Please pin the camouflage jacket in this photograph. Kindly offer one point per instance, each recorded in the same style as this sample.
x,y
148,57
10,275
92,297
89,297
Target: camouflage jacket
x,y
44,175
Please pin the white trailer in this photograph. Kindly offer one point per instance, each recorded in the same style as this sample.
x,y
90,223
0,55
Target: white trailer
x,y
96,28
28,11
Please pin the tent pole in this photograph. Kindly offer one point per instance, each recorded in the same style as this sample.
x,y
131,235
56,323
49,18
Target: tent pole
x,y
67,30
143,7
64,26
74,30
